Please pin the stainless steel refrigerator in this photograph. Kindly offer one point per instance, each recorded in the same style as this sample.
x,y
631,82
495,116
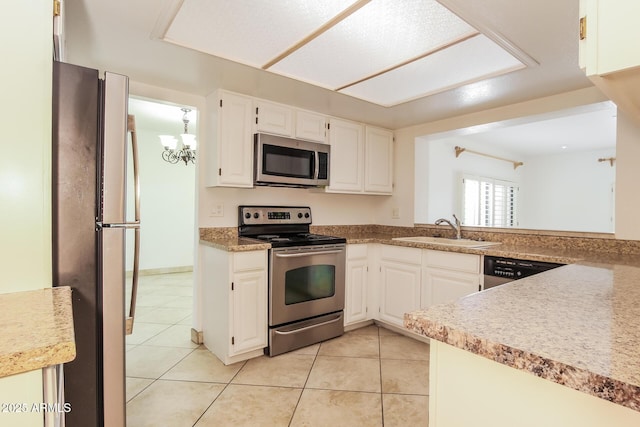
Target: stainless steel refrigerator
x,y
90,154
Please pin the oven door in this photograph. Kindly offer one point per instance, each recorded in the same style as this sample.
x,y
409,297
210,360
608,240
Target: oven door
x,y
306,281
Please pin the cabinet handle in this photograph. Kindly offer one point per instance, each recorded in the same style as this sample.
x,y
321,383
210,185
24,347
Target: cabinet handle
x,y
307,254
309,327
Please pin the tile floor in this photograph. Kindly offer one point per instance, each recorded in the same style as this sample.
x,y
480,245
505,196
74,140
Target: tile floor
x,y
367,377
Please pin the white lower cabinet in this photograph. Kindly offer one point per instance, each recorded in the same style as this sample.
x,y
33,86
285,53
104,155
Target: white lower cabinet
x,y
356,284
399,279
447,276
400,271
234,303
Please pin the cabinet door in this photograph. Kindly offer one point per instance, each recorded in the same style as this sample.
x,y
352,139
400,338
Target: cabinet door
x,y
399,290
274,118
311,126
611,43
443,286
378,165
347,156
235,141
355,307
249,299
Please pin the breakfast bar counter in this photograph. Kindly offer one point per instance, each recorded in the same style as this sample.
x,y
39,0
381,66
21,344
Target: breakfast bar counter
x,y
37,330
577,326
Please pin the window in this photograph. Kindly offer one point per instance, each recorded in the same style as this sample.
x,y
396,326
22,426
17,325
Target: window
x,y
489,202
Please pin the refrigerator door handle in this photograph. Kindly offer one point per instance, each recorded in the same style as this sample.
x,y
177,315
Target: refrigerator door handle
x,y
131,127
127,225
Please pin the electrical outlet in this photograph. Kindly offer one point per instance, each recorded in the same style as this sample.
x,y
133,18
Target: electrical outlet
x,y
218,210
395,213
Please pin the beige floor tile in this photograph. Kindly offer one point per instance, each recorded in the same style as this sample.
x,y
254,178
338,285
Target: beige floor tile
x,y
311,349
144,331
152,362
351,345
366,330
384,331
345,373
173,336
202,365
401,347
171,403
285,370
151,299
252,406
402,410
165,315
179,302
330,408
135,386
186,321
405,376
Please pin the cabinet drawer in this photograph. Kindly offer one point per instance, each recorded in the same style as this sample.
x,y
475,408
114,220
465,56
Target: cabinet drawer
x,y
402,254
252,260
356,251
468,263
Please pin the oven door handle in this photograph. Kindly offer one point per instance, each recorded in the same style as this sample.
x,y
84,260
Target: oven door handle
x,y
297,255
295,331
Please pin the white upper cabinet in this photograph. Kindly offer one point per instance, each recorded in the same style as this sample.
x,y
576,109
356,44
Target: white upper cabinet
x,y
361,158
609,49
347,156
311,126
228,156
274,118
287,121
378,160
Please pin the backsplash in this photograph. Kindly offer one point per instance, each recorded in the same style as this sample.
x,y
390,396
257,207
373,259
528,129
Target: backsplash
x,y
524,238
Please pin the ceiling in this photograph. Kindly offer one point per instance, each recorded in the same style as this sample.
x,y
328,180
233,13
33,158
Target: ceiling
x,y
122,36
587,128
385,51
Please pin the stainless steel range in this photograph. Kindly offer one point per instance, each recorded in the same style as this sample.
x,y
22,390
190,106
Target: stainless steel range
x,y
306,276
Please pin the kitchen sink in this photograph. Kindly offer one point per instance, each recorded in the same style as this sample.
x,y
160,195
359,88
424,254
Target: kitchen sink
x,y
463,243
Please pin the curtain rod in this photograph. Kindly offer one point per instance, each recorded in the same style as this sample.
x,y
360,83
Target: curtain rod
x,y
460,150
611,160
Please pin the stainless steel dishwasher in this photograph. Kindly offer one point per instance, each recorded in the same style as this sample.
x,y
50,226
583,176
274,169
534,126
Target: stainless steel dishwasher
x,y
498,270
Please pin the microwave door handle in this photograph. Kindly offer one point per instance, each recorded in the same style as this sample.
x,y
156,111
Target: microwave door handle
x,y
317,165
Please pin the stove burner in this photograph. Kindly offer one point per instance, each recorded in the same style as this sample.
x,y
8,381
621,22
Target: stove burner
x,y
267,236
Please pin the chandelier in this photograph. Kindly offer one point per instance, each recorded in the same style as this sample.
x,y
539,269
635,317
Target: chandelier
x,y
187,152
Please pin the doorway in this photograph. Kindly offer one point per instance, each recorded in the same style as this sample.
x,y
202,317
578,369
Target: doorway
x,y
163,317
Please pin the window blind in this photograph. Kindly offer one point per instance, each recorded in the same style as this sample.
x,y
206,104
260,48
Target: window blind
x,y
489,202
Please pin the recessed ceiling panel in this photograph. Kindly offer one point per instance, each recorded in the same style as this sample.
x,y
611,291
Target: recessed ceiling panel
x,y
251,32
472,60
382,34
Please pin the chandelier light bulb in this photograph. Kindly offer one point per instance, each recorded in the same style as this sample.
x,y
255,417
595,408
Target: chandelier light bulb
x,y
187,152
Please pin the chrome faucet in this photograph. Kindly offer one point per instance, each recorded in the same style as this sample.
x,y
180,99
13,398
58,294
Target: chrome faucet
x,y
455,228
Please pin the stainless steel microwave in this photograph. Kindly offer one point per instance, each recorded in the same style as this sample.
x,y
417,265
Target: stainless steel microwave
x,y
282,161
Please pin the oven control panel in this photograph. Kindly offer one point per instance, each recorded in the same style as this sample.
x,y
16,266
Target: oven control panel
x,y
264,215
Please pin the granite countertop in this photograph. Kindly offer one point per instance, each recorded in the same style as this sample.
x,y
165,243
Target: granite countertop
x,y
578,325
37,330
235,244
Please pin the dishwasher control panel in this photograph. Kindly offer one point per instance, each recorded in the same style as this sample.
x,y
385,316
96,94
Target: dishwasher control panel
x,y
514,269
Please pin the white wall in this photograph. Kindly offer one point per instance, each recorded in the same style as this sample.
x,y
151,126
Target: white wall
x,y
570,192
567,191
627,177
326,209
440,172
167,206
25,174
512,114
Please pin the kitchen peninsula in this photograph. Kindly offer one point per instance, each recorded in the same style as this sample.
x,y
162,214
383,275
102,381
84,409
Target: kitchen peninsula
x,y
556,349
